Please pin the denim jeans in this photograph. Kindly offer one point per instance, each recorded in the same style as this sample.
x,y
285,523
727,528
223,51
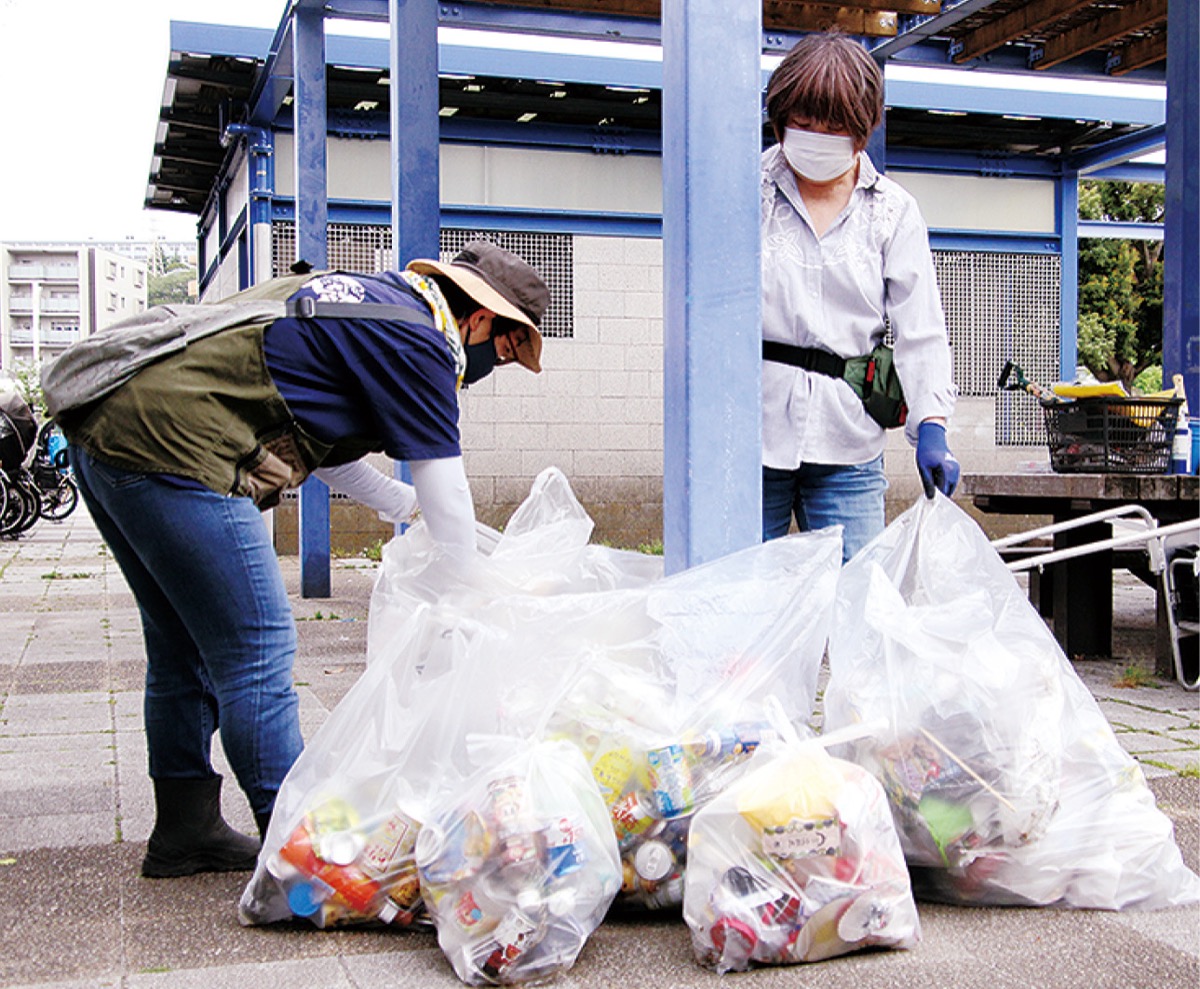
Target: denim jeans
x,y
820,495
218,628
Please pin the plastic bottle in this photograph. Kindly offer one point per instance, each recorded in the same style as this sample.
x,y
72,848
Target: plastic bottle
x,y
1181,449
357,889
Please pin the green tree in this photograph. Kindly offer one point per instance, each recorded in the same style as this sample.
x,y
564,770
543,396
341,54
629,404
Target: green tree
x,y
170,281
1120,283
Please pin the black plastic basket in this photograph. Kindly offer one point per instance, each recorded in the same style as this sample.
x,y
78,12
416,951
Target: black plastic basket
x,y
1107,435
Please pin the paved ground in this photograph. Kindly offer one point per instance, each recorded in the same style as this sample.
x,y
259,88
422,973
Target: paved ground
x,y
75,812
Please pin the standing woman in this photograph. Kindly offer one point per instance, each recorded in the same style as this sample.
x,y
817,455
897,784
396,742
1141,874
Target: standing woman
x,y
845,254
176,463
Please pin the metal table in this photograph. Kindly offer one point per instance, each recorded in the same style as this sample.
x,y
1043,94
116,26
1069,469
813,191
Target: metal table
x,y
1079,601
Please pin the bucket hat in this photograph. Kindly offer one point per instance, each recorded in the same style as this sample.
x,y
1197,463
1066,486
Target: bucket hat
x,y
500,281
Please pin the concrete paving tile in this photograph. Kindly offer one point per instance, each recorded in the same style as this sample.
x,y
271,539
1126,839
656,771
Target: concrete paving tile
x,y
1140,743
64,714
80,676
60,915
425,967
23,765
1178,760
1175,927
56,831
52,797
1125,714
318,973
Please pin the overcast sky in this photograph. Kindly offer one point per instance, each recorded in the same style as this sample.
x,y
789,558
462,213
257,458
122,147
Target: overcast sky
x,y
80,87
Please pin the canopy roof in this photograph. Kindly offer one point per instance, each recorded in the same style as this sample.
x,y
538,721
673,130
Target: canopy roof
x,y
216,76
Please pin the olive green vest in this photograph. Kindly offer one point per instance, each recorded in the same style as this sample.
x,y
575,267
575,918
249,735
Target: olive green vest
x,y
211,413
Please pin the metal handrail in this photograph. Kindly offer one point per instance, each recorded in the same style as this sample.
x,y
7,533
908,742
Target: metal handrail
x,y
1152,537
1047,530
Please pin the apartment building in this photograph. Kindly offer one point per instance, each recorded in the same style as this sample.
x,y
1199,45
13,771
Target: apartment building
x,y
54,294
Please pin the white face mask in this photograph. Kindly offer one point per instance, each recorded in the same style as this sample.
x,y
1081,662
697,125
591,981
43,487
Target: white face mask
x,y
818,157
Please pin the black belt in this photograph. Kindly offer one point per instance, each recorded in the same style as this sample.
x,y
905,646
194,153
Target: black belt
x,y
808,358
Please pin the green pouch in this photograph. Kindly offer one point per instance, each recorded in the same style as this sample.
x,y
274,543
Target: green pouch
x,y
875,381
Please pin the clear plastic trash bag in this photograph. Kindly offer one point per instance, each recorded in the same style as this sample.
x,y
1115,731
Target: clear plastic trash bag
x,y
796,861
545,637
1006,782
396,740
672,695
519,866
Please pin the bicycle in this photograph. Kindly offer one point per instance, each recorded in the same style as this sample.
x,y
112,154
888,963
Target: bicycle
x,y
18,434
52,475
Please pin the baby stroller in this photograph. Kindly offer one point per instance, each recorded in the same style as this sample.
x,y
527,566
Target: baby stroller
x,y
20,501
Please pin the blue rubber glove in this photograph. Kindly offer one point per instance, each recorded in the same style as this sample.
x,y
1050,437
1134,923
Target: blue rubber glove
x,y
935,463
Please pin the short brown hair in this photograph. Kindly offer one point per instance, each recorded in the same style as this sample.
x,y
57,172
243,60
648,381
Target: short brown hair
x,y
830,79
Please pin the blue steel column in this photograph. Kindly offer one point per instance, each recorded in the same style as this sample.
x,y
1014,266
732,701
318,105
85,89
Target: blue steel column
x,y
1181,237
1067,199
416,185
712,418
312,216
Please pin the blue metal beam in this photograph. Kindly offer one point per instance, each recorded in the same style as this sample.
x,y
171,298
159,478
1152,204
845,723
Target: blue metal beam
x,y
312,217
1119,150
998,242
972,163
416,190
995,93
712,429
1181,248
416,187
1067,204
1132,171
1117,230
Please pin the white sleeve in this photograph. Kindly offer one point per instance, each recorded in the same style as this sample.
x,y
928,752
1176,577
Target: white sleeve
x,y
394,500
446,504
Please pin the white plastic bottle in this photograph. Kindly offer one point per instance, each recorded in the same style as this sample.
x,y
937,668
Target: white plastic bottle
x,y
1181,449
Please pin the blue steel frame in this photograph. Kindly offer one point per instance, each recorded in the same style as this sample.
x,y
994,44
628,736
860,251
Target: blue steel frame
x,y
416,185
1181,265
712,394
708,432
312,219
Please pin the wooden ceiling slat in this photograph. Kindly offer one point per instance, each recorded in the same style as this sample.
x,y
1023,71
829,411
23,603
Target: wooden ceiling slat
x,y
781,15
872,18
1102,31
617,8
779,9
1140,53
1016,23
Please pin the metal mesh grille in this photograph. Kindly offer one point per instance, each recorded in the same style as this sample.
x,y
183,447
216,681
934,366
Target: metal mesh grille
x,y
368,248
1002,307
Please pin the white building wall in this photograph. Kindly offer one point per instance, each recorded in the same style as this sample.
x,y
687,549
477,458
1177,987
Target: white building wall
x,y
972,202
595,411
53,295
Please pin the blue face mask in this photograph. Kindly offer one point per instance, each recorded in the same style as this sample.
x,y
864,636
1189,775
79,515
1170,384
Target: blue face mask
x,y
481,359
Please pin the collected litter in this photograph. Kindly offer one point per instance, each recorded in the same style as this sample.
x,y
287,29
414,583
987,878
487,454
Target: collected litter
x,y
797,861
519,868
557,731
1006,782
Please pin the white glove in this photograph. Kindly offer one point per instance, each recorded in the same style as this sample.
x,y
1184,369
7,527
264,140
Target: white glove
x,y
395,501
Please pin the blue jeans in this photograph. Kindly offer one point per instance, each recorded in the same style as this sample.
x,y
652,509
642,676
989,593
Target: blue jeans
x,y
218,628
820,495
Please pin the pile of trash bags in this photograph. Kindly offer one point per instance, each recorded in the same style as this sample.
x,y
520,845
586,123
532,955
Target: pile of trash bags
x,y
555,730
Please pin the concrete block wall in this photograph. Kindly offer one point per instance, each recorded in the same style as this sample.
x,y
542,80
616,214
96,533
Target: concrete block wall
x,y
595,411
